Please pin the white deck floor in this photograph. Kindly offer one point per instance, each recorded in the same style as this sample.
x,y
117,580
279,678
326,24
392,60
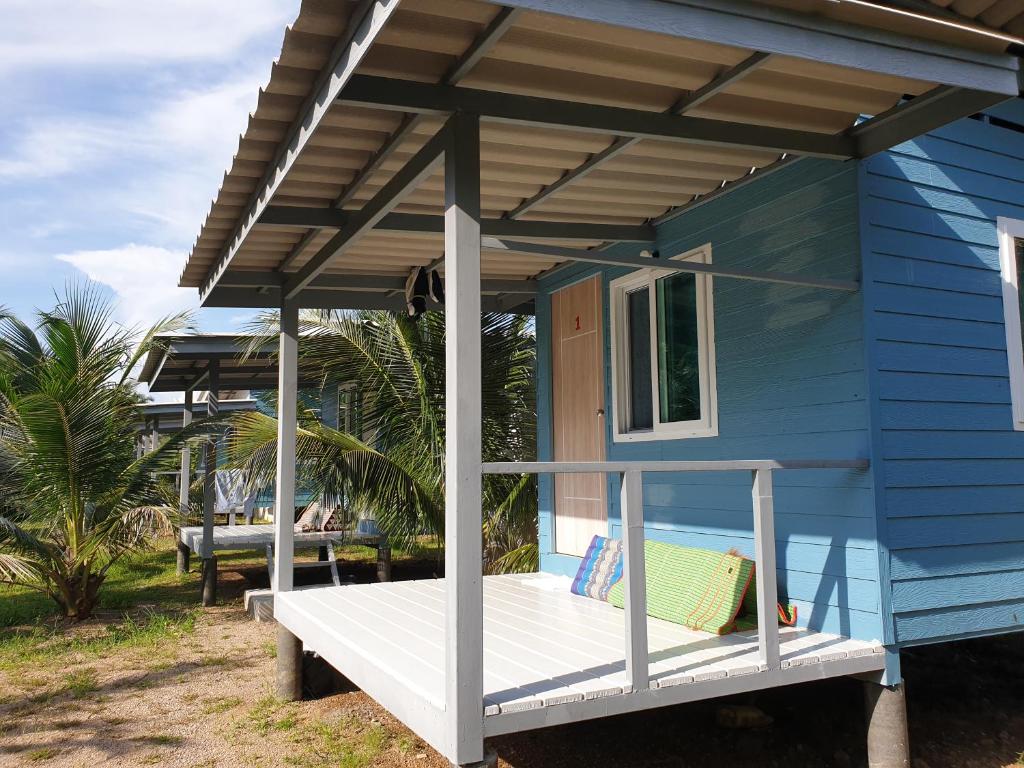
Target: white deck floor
x,y
549,656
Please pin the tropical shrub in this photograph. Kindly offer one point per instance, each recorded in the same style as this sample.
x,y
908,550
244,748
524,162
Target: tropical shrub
x,y
395,465
74,498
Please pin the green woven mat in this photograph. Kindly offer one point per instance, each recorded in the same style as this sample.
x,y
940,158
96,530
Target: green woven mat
x,y
698,588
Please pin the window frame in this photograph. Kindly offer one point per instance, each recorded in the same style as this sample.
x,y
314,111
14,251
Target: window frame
x,y
351,390
1011,230
707,424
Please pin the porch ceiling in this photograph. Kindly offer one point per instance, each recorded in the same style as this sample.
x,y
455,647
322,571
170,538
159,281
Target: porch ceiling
x,y
337,154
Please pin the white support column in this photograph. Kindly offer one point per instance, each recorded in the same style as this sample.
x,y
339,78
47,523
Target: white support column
x,y
210,463
154,435
764,556
186,456
287,398
463,544
184,480
635,572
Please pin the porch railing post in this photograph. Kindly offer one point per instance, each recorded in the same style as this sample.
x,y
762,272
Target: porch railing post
x,y
209,580
210,461
463,555
184,481
186,459
284,501
764,555
635,573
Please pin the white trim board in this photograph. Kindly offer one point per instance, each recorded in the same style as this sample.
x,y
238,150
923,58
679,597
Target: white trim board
x,y
1009,231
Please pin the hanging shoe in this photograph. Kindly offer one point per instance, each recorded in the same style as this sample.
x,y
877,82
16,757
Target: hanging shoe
x,y
416,288
436,287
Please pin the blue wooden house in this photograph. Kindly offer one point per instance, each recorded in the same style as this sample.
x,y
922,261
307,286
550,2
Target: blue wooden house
x,y
772,252
920,371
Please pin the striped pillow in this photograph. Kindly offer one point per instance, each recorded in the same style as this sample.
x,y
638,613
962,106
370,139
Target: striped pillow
x,y
600,569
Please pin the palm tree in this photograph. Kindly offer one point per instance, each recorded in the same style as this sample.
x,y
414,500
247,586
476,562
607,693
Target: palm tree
x,y
395,466
74,498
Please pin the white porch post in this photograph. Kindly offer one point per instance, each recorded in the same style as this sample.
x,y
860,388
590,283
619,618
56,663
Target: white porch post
x,y
764,556
185,478
635,571
289,647
186,456
284,500
210,490
463,555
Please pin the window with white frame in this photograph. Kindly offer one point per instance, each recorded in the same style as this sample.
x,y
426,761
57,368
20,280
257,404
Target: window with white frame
x,y
1011,258
350,410
663,353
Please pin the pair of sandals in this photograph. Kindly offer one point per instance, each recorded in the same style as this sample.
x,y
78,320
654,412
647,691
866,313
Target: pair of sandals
x,y
420,286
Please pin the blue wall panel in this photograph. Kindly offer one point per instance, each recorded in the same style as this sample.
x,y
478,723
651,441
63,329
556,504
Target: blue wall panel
x,y
953,493
791,384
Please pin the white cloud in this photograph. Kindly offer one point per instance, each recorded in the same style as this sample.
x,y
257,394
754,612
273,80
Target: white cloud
x,y
45,149
144,277
41,33
163,166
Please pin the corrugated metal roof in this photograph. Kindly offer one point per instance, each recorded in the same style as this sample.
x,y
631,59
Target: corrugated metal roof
x,y
540,55
1007,15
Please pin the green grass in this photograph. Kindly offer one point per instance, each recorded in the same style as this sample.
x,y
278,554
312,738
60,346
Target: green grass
x,y
217,705
38,645
41,754
160,740
149,579
346,744
81,683
145,579
264,716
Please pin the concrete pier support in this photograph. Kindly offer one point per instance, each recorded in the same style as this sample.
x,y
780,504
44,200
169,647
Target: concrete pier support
x,y
886,712
209,581
184,555
383,561
289,665
490,761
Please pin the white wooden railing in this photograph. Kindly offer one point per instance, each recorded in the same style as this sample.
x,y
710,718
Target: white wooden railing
x,y
633,566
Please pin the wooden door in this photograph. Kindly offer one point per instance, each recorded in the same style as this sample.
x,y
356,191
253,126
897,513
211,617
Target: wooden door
x,y
577,385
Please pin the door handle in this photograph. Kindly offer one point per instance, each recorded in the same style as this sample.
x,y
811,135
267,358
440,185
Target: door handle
x,y
600,411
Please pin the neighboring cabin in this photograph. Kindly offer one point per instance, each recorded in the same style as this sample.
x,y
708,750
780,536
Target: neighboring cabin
x,y
921,371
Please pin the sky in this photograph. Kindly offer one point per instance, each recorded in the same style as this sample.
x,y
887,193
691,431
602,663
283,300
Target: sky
x,y
117,122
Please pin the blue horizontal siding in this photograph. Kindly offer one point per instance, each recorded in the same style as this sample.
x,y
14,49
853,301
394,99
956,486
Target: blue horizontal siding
x,y
791,383
953,472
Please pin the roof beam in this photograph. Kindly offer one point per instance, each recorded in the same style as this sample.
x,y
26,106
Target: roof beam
x,y
329,218
620,145
419,167
367,21
360,282
667,265
409,96
760,27
315,298
479,48
918,116
725,189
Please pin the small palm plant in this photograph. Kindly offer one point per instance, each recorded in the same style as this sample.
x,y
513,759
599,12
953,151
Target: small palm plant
x,y
74,498
395,466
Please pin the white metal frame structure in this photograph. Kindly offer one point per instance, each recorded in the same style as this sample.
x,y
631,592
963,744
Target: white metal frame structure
x,y
1010,231
336,192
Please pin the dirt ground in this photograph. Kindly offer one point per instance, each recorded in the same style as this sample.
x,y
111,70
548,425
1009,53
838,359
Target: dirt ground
x,y
197,692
